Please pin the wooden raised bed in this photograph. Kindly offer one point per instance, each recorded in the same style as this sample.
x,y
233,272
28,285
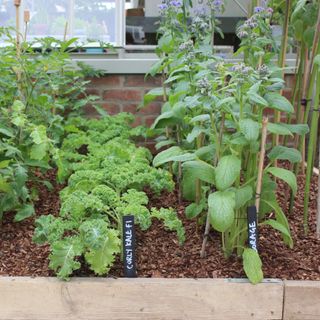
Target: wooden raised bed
x,y
157,299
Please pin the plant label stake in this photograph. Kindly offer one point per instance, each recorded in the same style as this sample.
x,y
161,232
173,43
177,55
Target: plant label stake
x,y
252,228
129,261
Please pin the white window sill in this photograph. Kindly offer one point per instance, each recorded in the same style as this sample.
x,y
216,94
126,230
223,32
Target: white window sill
x,y
140,63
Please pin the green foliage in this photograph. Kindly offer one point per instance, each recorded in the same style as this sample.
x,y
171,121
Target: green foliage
x,y
211,123
40,91
106,176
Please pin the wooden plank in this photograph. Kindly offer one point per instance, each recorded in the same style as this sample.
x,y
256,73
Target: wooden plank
x,y
133,299
302,300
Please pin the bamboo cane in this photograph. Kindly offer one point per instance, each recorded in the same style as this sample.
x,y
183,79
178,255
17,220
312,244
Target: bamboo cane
x,y
26,19
17,4
311,153
318,199
261,161
65,31
282,61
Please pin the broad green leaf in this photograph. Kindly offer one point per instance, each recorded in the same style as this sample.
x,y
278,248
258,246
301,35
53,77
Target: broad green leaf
x,y
164,143
300,129
286,176
278,128
39,135
277,226
299,6
63,256
4,164
281,218
152,95
252,265
101,259
165,119
7,132
18,106
206,153
196,131
4,186
166,43
257,99
250,129
38,151
193,210
308,36
23,213
243,195
227,171
278,102
285,153
166,156
200,170
157,67
316,60
221,206
200,118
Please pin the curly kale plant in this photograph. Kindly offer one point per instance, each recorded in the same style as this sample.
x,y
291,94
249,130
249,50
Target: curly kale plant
x,y
108,175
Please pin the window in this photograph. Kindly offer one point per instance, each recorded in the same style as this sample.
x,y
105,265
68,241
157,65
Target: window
x,y
78,18
120,22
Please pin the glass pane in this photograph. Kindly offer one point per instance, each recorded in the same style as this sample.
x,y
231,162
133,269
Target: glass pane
x,y
83,19
142,17
7,13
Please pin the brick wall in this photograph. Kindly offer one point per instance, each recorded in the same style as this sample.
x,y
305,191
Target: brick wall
x,y
124,93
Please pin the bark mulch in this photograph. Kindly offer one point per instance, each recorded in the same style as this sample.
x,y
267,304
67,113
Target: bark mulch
x,y
158,252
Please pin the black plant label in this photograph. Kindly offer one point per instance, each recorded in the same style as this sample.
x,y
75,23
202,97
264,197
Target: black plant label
x,y
252,228
129,240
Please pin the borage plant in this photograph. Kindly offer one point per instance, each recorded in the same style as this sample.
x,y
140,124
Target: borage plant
x,y
216,109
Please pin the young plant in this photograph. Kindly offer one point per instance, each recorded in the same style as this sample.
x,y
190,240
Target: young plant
x,y
108,175
220,112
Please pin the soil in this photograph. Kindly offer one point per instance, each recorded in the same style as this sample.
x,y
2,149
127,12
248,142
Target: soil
x,y
158,253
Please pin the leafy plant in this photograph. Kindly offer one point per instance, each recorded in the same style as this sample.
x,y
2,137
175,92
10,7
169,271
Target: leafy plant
x,y
108,175
212,124
40,91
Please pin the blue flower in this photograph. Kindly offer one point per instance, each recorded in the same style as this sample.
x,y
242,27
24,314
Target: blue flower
x,y
175,3
258,9
162,6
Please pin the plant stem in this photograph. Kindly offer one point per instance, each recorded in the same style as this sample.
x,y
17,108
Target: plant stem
x,y
216,159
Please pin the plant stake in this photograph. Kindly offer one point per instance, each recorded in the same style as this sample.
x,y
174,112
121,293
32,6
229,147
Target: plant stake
x,y
17,4
261,161
318,200
26,18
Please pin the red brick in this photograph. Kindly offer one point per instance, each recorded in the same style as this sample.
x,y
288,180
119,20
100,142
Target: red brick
x,y
141,81
132,108
111,108
149,121
137,122
287,93
123,95
153,108
93,92
107,81
290,80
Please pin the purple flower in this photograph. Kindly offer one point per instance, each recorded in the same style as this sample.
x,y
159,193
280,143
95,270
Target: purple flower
x,y
270,10
162,6
258,9
175,3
